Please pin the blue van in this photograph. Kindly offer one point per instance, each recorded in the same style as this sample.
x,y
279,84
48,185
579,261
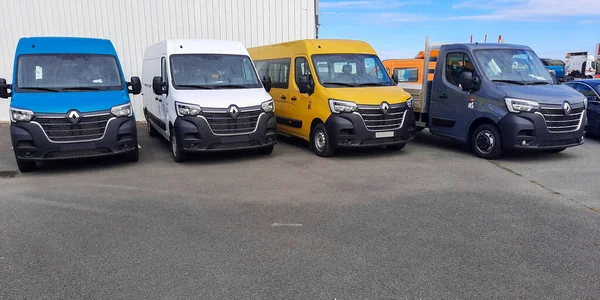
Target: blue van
x,y
69,100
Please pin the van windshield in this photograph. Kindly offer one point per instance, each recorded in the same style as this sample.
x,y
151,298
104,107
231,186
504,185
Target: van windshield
x,y
513,66
68,72
213,71
350,70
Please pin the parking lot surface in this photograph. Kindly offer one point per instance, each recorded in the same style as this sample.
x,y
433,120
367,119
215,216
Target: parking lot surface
x,y
429,222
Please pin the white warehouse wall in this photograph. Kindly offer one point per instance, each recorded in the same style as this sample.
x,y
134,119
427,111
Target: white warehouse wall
x,y
132,25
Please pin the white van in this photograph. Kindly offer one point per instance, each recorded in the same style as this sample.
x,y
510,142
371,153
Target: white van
x,y
205,95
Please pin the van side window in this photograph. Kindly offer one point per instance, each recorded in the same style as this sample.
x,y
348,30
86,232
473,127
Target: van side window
x,y
301,68
456,64
163,70
585,90
407,74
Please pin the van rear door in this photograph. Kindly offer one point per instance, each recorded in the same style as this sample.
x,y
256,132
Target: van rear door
x,y
452,109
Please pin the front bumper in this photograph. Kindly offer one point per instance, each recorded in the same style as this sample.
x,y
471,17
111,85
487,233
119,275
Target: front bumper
x,y
348,130
531,128
197,136
31,143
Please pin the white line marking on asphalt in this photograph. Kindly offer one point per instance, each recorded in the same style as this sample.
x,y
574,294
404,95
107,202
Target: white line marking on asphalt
x,y
286,225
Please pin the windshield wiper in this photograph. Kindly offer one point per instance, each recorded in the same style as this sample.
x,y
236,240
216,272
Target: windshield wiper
x,y
194,86
83,88
230,86
341,83
510,81
372,84
538,82
41,89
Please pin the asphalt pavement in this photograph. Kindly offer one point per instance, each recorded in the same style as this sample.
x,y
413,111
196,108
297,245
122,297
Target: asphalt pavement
x,y
429,222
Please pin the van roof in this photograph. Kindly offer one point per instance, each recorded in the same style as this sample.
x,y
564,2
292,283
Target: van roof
x,y
198,46
485,46
48,45
317,46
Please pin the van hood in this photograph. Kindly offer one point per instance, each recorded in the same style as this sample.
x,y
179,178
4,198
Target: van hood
x,y
221,98
369,95
544,94
62,102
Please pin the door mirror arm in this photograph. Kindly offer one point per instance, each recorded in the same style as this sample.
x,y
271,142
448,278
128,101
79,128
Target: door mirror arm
x,y
4,89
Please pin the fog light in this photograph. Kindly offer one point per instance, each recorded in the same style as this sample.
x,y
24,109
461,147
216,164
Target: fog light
x,y
523,143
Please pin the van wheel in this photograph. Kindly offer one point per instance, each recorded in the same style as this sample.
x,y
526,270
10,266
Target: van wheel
x,y
266,150
26,166
486,142
151,130
132,156
396,147
176,148
320,141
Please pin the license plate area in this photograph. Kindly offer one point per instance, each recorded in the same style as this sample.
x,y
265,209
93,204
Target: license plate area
x,y
384,134
78,146
236,138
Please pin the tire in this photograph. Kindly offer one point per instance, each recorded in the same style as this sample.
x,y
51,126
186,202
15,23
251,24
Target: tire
x,y
320,142
396,147
557,150
151,130
26,166
176,148
132,156
266,150
486,142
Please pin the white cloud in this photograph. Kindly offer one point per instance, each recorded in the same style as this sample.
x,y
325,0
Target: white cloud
x,y
369,4
532,10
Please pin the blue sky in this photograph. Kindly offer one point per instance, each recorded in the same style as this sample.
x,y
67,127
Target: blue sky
x,y
397,28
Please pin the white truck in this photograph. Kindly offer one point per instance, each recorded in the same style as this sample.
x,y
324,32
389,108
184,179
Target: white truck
x,y
205,95
580,65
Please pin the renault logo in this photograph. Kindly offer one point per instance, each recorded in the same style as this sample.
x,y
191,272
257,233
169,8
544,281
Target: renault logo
x,y
567,108
385,108
233,111
73,117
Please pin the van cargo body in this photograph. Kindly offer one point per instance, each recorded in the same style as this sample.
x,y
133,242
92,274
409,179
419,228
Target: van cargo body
x,y
70,100
494,97
335,94
205,95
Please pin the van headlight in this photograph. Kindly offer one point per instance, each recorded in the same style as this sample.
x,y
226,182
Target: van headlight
x,y
185,109
585,102
339,106
122,110
268,106
520,105
409,102
20,115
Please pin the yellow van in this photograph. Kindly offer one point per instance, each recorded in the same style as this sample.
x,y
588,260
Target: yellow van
x,y
335,93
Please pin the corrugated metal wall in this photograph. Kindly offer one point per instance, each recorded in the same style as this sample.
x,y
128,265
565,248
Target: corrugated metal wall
x,y
132,25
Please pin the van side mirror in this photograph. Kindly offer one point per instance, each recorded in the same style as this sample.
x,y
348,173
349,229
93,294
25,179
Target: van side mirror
x,y
158,86
135,86
395,78
468,82
267,84
4,87
306,85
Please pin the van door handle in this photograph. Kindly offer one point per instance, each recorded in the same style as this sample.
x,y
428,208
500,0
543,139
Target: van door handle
x,y
283,97
294,99
444,96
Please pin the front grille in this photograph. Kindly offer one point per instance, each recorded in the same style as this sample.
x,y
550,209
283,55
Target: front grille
x,y
77,153
376,120
59,129
233,145
559,143
558,122
382,141
222,123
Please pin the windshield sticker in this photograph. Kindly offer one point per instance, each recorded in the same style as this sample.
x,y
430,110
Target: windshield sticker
x,y
38,73
494,67
98,81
